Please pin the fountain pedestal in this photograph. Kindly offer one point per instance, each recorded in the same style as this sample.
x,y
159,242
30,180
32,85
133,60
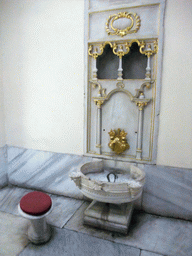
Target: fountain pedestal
x,y
112,217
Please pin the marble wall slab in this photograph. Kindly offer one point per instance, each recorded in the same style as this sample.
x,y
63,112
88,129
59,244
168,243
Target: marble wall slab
x,y
45,171
168,192
3,167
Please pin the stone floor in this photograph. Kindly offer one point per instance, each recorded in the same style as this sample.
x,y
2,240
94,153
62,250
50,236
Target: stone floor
x,y
149,235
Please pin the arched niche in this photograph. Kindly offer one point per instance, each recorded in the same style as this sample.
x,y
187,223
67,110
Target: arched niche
x,y
134,63
119,112
107,64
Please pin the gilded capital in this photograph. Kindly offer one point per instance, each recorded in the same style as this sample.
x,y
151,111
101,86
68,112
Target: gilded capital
x,y
148,49
141,103
119,49
94,52
99,102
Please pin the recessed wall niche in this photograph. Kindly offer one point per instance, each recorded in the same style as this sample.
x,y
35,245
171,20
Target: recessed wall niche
x,y
107,64
134,64
123,58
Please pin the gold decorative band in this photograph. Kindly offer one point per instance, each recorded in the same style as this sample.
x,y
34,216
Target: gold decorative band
x,y
121,49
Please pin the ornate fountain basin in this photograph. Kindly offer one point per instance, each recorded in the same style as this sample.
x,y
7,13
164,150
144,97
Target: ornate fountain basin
x,y
109,181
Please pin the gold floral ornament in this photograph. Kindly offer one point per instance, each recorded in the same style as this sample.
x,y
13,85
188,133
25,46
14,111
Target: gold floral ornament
x,y
132,27
119,49
94,51
149,51
118,142
97,50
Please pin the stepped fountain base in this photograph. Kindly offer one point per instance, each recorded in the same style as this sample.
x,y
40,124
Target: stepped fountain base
x,y
112,217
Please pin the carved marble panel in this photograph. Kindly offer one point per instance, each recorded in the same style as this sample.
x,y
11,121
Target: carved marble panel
x,y
119,94
145,21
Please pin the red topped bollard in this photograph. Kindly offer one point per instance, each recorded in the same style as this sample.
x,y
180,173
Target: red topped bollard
x,y
35,206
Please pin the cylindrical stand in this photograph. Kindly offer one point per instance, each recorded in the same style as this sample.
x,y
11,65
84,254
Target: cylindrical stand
x,y
39,231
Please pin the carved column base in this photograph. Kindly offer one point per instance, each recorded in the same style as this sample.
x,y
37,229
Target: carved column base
x,y
138,154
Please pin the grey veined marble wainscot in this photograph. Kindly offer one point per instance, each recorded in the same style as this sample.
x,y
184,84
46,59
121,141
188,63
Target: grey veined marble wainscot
x,y
167,191
46,171
3,167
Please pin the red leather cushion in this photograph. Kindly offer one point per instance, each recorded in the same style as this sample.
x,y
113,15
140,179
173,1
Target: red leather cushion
x,y
36,203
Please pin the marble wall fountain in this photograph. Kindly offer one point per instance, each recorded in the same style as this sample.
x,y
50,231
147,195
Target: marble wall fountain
x,y
113,187
123,42
123,60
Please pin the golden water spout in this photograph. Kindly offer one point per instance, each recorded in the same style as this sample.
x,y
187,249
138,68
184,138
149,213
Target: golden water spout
x,y
118,142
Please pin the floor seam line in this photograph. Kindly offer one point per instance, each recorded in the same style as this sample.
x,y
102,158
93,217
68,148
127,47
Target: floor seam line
x,y
72,216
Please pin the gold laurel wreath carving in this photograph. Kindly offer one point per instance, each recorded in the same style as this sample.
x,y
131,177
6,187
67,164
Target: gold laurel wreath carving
x,y
135,22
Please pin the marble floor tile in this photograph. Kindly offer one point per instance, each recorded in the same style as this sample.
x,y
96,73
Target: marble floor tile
x,y
13,237
63,208
159,235
11,197
70,243
76,224
3,193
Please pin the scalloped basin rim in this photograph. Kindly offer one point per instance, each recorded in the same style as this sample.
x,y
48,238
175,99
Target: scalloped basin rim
x,y
98,166
116,192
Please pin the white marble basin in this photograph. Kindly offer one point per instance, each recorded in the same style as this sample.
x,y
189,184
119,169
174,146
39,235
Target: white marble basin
x,y
92,180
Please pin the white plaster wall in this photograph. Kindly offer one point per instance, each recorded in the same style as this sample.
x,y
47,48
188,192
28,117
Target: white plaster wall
x,y
2,118
43,66
175,131
43,73
2,130
2,121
